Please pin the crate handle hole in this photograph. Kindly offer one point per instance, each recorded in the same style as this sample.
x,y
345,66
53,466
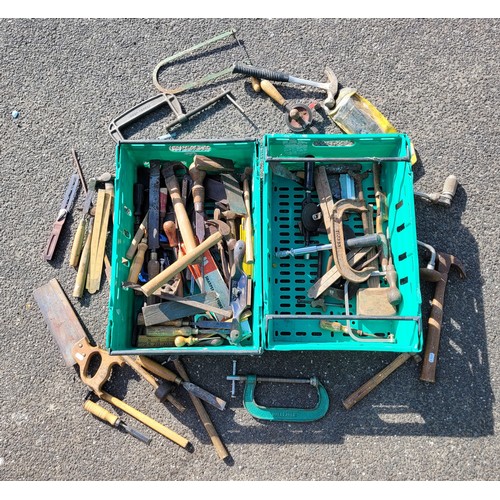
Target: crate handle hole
x,y
400,228
334,143
403,256
190,148
399,204
126,234
403,281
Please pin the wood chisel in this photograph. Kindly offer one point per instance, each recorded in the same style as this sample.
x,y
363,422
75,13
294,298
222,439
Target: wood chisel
x,y
113,420
66,206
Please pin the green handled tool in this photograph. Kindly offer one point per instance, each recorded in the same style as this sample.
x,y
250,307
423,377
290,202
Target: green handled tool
x,y
279,414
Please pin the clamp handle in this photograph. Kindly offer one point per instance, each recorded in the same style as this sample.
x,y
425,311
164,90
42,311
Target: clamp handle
x,y
278,414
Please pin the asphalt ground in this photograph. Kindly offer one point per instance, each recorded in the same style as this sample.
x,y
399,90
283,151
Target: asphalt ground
x,y
436,80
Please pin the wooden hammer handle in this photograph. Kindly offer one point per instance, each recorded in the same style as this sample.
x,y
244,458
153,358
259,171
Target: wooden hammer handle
x,y
367,387
183,221
272,92
203,414
428,372
180,264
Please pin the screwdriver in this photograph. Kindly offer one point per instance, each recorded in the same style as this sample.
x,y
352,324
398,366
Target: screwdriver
x,y
113,420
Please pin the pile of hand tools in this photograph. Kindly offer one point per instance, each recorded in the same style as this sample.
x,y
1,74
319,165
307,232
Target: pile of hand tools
x,y
192,253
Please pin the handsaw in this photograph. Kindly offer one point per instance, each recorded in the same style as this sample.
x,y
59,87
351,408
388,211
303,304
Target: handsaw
x,y
75,348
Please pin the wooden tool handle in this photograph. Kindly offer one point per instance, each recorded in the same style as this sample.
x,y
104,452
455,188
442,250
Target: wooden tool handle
x,y
272,92
139,235
393,294
138,261
83,353
81,275
152,424
204,416
183,221
367,387
101,413
158,370
170,230
180,264
78,243
198,190
428,372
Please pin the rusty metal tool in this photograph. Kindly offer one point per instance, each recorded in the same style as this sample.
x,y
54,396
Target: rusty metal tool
x,y
113,420
338,246
444,265
66,206
371,384
332,275
75,348
198,170
79,170
276,76
205,419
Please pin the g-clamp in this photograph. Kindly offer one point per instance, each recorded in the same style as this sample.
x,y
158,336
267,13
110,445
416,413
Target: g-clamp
x,y
281,414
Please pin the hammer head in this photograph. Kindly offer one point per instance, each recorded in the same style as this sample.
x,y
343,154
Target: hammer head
x,y
168,168
332,90
222,227
445,261
212,164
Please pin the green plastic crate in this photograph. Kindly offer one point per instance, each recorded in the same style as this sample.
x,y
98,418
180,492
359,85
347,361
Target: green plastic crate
x,y
123,303
290,323
279,320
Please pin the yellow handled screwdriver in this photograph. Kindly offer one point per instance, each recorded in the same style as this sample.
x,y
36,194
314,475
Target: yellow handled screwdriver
x,y
113,420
